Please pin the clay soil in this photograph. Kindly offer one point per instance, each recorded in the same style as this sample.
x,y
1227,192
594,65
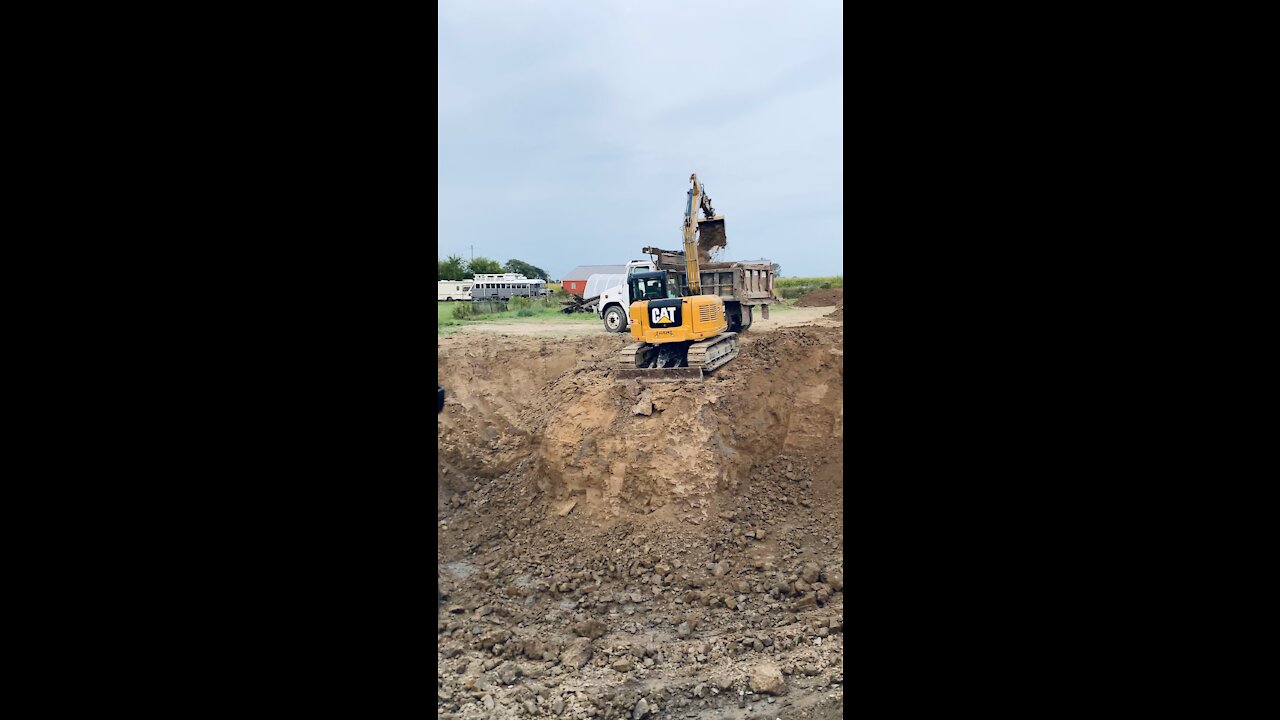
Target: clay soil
x,y
621,550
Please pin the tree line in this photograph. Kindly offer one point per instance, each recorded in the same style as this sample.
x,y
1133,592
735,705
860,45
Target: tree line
x,y
455,267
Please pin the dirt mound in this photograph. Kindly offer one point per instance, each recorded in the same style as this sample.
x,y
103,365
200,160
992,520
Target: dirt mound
x,y
821,298
838,313
611,548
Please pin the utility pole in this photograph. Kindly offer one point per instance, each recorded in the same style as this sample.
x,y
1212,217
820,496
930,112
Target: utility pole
x,y
473,253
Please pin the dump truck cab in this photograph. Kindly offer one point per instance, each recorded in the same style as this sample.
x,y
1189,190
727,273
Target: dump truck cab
x,y
615,302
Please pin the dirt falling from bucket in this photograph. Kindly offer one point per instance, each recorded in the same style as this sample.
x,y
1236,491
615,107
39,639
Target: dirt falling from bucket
x,y
711,238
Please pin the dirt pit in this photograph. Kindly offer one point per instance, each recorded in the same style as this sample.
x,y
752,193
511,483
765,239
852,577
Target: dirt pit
x,y
821,298
615,550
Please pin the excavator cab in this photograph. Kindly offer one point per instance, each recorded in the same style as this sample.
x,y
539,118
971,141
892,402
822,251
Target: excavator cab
x,y
650,286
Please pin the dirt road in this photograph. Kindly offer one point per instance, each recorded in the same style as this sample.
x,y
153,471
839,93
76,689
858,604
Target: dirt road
x,y
787,318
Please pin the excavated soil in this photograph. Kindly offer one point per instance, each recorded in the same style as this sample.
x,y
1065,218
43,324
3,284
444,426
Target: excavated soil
x,y
622,550
822,298
711,240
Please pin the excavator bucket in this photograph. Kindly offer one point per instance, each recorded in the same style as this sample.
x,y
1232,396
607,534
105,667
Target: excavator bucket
x,y
711,237
658,374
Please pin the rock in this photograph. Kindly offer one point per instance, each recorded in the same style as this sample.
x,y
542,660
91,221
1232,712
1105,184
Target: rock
x,y
836,581
530,707
807,601
641,710
534,650
488,702
767,678
810,573
683,629
589,629
644,406
576,653
557,707
623,665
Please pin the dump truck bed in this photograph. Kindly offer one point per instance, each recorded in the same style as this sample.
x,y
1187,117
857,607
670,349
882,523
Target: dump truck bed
x,y
749,283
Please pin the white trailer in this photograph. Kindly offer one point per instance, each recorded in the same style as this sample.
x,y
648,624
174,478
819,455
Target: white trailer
x,y
504,286
451,290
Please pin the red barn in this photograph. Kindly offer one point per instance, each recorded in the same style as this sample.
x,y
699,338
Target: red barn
x,y
575,281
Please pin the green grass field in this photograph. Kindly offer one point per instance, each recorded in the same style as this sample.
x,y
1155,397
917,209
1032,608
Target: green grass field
x,y
544,311
548,310
793,288
835,281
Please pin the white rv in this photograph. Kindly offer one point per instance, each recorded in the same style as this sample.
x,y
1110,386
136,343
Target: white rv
x,y
453,290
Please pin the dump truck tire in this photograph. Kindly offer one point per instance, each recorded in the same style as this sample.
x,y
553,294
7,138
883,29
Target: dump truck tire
x,y
615,320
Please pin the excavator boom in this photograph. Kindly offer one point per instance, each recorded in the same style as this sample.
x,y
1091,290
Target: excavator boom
x,y
707,233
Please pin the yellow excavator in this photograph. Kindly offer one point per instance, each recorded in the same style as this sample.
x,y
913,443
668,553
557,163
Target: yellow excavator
x,y
679,337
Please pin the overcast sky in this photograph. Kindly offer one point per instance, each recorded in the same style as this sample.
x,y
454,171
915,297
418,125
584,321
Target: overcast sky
x,y
568,129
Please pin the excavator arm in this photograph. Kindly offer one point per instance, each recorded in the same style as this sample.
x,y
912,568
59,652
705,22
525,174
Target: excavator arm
x,y
711,228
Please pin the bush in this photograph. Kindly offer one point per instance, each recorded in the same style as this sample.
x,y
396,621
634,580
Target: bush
x,y
825,286
791,292
525,312
519,303
463,311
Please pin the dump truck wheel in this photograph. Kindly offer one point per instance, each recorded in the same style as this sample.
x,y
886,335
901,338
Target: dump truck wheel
x,y
615,320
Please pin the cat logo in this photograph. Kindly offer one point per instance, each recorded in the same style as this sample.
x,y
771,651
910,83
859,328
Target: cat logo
x,y
663,316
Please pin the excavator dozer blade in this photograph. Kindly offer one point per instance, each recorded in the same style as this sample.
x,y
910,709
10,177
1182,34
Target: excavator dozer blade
x,y
711,236
658,374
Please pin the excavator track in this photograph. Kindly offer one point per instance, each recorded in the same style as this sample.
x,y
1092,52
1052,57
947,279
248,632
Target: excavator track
x,y
702,357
